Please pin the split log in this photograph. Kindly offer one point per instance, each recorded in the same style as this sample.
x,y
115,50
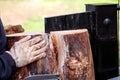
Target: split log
x,y
73,49
47,65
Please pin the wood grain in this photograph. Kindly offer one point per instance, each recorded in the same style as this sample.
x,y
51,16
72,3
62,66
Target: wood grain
x,y
74,54
47,65
69,54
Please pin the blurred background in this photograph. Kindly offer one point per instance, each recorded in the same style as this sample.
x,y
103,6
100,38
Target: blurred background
x,y
31,13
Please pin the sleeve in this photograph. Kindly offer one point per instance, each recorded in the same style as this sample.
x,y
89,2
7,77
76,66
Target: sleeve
x,y
7,66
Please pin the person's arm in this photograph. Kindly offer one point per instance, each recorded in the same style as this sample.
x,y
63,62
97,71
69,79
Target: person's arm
x,y
7,64
23,52
19,55
28,50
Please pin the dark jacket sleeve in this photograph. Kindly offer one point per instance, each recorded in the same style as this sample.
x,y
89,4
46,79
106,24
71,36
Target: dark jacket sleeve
x,y
7,64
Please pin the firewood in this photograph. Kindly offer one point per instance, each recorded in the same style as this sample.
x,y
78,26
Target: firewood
x,y
12,29
73,49
69,54
47,65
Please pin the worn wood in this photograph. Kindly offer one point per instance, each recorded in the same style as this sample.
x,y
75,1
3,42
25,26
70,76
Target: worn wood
x,y
47,65
74,54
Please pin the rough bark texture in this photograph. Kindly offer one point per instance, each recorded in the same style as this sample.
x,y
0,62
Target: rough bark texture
x,y
12,29
74,54
47,65
69,54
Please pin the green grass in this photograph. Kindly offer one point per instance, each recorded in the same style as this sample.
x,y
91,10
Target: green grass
x,y
34,24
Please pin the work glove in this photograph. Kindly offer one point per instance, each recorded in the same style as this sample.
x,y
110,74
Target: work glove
x,y
28,50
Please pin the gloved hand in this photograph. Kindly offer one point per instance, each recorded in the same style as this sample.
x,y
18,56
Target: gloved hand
x,y
28,50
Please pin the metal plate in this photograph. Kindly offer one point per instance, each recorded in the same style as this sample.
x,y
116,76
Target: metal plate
x,y
42,77
116,78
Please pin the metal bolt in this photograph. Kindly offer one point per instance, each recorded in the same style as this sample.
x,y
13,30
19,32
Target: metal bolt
x,y
107,22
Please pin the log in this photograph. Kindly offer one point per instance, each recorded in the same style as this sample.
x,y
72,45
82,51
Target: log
x,y
74,53
69,54
12,29
47,65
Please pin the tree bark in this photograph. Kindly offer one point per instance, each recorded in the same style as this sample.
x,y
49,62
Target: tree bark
x,y
69,54
47,65
12,29
73,49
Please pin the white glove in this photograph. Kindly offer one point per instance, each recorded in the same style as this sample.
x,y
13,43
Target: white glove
x,y
28,50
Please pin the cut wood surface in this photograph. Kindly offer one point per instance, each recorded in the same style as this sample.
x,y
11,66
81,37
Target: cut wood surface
x,y
73,49
47,65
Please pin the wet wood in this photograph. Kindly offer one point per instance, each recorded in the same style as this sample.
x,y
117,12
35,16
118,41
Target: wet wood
x,y
73,49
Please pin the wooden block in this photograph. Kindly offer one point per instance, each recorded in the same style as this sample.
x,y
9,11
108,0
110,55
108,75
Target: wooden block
x,y
47,65
73,49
